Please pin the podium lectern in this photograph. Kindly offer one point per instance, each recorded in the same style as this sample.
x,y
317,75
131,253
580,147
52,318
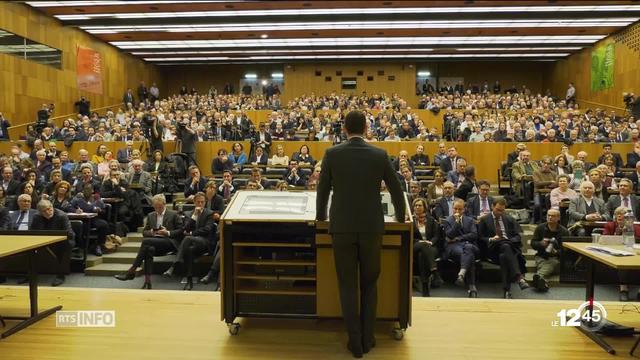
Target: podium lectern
x,y
277,261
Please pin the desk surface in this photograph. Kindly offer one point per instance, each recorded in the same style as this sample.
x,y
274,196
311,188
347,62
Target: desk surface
x,y
14,244
616,262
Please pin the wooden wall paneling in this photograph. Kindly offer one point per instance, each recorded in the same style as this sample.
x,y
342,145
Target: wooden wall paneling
x,y
32,84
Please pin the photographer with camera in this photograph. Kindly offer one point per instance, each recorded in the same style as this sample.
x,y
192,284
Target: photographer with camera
x,y
43,117
632,103
187,137
152,130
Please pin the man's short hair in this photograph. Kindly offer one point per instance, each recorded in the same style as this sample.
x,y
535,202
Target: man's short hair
x,y
629,182
44,204
469,171
159,198
193,167
198,195
355,122
500,201
483,182
86,166
24,197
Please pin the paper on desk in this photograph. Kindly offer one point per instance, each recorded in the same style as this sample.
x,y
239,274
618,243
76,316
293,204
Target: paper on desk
x,y
610,251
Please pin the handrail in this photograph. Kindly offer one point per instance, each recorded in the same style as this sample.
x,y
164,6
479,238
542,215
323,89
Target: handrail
x,y
599,104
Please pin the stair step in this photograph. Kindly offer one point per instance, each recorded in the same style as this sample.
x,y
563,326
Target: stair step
x,y
107,269
134,237
130,247
119,258
93,260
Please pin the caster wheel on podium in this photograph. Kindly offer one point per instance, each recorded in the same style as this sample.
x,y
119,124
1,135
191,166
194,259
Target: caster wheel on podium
x,y
234,328
398,334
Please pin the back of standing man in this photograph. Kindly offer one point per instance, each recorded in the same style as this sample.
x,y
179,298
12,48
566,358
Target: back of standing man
x,y
354,170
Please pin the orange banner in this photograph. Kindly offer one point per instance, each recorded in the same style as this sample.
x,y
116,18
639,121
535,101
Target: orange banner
x,y
89,70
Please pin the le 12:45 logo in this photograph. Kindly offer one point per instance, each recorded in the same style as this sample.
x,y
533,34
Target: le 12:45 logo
x,y
590,314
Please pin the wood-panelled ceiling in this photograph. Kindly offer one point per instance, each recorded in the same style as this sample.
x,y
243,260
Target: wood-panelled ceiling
x,y
166,32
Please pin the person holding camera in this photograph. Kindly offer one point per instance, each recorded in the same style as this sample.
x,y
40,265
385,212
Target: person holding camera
x,y
188,139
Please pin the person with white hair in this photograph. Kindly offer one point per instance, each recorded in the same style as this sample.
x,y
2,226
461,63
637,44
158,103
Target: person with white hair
x,y
162,234
586,207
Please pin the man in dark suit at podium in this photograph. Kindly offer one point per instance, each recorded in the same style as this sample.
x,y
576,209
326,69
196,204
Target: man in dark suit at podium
x,y
354,170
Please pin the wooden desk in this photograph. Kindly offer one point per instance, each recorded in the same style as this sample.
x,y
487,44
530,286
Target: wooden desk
x,y
16,244
616,262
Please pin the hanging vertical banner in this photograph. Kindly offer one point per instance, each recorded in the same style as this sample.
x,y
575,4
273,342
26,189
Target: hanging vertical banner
x,y
602,65
89,70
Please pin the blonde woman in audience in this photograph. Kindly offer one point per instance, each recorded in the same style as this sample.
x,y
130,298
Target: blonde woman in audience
x,y
279,158
562,192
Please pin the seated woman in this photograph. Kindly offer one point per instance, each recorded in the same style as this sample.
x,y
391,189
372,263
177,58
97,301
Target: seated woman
x,y
61,197
561,165
616,227
436,188
303,157
54,178
425,245
562,192
237,155
156,164
103,167
279,158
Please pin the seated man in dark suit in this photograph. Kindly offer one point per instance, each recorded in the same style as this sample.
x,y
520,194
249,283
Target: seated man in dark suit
x,y
49,218
294,176
635,176
461,248
162,234
444,205
9,184
468,185
194,185
633,157
624,198
482,204
213,201
5,218
199,230
457,176
124,155
86,178
22,218
226,189
420,158
259,158
500,234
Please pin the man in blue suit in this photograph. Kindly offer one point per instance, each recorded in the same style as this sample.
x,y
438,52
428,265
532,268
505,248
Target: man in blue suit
x,y
482,204
461,246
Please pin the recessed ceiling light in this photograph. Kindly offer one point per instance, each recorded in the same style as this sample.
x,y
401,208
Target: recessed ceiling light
x,y
264,36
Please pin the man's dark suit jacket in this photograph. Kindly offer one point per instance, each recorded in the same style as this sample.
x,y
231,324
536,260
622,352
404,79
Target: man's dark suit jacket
x,y
446,166
465,232
14,215
615,201
189,190
354,171
5,219
216,204
13,187
59,221
204,226
487,229
441,208
632,159
122,156
474,206
422,160
171,221
263,159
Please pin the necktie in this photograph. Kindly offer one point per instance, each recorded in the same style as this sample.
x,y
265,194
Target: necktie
x,y
626,203
20,218
498,228
226,192
485,206
450,204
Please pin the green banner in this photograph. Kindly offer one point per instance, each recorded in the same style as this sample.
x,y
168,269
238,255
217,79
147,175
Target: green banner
x,y
602,63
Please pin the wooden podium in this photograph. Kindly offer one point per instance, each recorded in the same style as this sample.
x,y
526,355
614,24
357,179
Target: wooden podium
x,y
277,261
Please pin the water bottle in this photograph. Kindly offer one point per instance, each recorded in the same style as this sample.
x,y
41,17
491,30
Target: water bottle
x,y
628,235
549,248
